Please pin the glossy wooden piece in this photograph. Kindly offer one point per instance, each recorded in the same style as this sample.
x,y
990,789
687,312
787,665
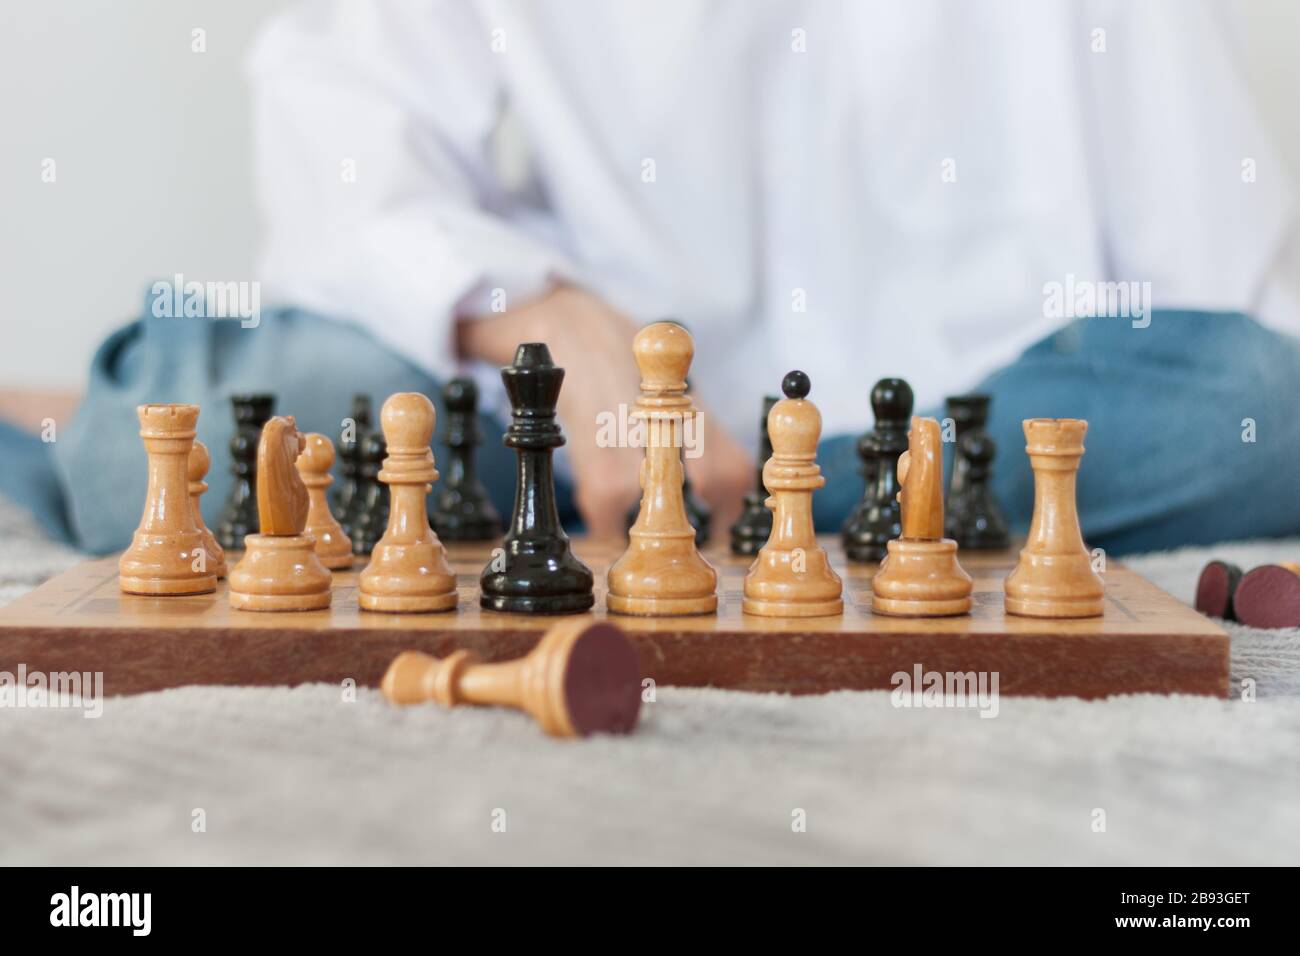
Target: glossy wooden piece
x,y
920,575
370,507
969,414
280,570
698,514
282,499
199,462
877,519
754,526
972,516
347,496
333,546
1054,577
792,576
662,572
981,526
535,571
583,677
408,570
459,509
239,516
167,554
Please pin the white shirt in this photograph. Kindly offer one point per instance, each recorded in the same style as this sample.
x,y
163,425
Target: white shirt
x,y
856,189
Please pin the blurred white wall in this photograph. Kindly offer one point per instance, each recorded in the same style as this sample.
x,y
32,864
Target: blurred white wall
x,y
150,142
152,157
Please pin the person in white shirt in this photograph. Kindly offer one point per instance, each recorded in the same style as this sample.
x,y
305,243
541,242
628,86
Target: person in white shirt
x,y
1069,205
857,189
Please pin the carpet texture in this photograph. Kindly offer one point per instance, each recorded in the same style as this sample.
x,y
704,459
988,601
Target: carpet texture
x,y
314,775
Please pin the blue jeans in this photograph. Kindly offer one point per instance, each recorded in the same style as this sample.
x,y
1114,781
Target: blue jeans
x,y
1166,463
1169,409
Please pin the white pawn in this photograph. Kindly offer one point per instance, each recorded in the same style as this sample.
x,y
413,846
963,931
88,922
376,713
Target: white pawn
x,y
792,577
408,569
333,546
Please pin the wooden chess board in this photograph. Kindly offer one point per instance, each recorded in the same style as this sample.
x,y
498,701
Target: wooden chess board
x,y
1147,642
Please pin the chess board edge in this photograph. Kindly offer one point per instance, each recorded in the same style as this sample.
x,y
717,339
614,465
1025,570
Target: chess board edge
x,y
1148,642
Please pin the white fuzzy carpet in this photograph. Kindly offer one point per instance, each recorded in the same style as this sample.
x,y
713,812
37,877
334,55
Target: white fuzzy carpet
x,y
301,776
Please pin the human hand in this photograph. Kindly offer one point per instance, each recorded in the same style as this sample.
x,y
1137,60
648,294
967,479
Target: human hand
x,y
722,474
593,343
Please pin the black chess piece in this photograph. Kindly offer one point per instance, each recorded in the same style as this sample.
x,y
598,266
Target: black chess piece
x,y
878,518
982,526
697,512
754,526
239,516
535,571
371,515
347,496
459,508
969,413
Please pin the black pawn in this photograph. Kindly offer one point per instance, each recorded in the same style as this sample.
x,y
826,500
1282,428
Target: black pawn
x,y
754,526
878,518
982,526
535,572
969,413
371,515
239,517
347,495
459,509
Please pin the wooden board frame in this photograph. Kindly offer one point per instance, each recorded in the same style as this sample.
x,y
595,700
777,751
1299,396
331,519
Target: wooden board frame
x,y
1147,642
